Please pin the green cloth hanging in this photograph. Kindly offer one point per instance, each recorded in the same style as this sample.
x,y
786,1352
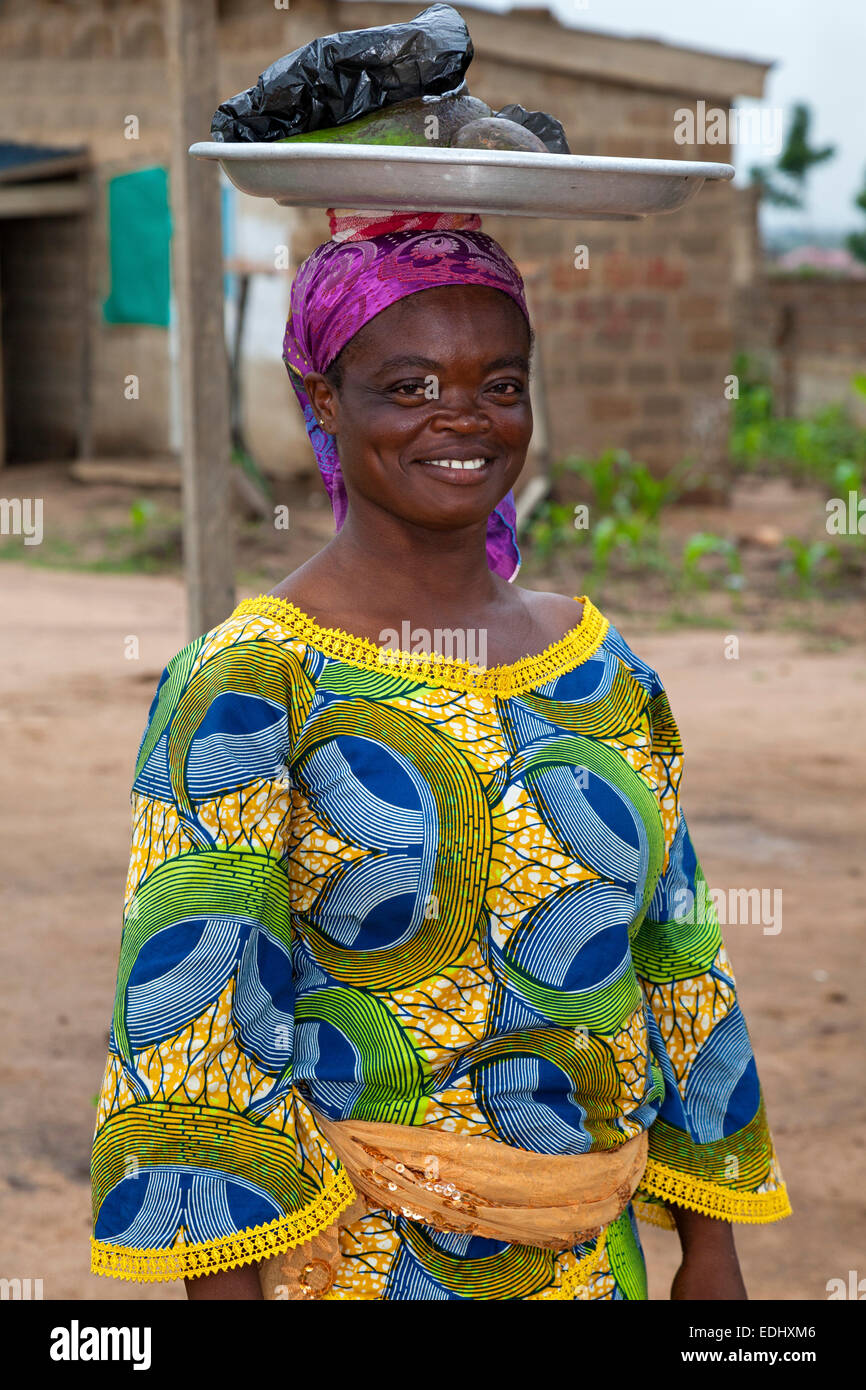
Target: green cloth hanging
x,y
139,238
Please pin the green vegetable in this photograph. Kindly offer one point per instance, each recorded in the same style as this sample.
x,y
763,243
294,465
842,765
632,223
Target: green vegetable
x,y
424,121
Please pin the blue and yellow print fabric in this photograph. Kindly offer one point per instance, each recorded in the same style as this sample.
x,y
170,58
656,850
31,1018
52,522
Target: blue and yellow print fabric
x,y
413,891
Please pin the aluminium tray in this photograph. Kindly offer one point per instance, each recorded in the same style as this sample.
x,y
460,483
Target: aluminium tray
x,y
503,182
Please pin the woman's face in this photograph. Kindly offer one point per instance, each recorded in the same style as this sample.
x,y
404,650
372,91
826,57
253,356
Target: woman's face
x,y
439,378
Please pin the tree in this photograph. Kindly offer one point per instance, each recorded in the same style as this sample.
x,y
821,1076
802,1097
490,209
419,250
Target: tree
x,y
773,193
856,241
798,157
795,163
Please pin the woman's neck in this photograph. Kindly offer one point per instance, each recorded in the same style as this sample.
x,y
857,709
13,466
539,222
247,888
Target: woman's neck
x,y
397,564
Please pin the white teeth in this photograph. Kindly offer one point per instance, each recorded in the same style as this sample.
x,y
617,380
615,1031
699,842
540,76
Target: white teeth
x,y
456,463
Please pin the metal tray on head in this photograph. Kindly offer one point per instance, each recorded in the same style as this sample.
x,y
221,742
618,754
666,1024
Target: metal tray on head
x,y
508,183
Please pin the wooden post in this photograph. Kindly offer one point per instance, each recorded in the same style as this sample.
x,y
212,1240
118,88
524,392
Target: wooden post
x,y
2,374
191,32
89,299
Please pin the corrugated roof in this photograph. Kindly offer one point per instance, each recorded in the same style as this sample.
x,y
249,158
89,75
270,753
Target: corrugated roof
x,y
21,163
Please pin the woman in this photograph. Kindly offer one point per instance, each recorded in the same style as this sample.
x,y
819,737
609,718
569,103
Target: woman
x,y
409,889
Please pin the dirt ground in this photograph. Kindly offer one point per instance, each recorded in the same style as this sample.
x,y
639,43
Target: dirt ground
x,y
776,763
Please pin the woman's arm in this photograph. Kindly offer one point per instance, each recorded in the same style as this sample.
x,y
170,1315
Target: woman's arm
x,y
232,1284
710,1268
711,1159
203,1161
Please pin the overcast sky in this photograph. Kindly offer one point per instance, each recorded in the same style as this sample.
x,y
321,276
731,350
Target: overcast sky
x,y
819,50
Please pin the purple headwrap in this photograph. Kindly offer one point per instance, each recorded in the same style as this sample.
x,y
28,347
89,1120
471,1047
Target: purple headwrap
x,y
344,284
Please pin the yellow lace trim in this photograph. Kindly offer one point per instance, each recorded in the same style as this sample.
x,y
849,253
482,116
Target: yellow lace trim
x,y
227,1252
754,1208
432,669
654,1215
575,1283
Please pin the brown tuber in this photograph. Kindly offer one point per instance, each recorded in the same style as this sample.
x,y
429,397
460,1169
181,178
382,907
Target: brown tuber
x,y
497,133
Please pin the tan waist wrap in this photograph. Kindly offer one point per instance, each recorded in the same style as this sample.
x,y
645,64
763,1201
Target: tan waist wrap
x,y
462,1182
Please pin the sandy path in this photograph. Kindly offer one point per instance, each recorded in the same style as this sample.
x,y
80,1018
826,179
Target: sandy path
x,y
773,796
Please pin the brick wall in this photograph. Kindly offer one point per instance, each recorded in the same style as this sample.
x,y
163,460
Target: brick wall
x,y
634,349
637,345
808,333
70,75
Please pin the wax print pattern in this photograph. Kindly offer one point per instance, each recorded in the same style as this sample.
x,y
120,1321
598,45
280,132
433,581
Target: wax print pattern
x,y
403,889
389,1257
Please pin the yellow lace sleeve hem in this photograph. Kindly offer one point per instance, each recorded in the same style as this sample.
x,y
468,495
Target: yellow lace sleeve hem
x,y
725,1203
228,1252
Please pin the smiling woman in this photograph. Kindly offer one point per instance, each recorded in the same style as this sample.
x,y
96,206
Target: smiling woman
x,y
413,1001
354,301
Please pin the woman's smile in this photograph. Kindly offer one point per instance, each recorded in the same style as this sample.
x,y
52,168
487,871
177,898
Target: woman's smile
x,y
435,433
457,469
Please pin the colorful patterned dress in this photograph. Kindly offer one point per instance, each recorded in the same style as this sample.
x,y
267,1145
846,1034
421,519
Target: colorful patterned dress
x,y
407,889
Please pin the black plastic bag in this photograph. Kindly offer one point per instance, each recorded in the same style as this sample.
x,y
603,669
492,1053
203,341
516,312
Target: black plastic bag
x,y
546,127
335,79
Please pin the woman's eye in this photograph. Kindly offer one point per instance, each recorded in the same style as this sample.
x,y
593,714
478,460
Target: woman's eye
x,y
425,389
409,388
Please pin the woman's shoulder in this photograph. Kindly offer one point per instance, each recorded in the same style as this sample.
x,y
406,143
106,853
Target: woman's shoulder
x,y
580,611
241,680
622,649
253,647
555,610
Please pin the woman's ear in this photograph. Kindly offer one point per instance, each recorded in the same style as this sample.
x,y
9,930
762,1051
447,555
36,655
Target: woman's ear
x,y
324,400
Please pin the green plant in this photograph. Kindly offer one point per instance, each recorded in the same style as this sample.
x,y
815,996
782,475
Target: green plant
x,y
624,502
603,476
809,564
848,476
807,450
141,513
551,529
635,538
697,548
618,483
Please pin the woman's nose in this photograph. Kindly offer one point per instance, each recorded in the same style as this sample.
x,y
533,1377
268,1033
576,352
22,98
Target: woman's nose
x,y
463,411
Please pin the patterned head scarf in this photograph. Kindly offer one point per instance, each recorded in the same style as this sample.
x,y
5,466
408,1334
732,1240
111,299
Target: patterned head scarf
x,y
349,280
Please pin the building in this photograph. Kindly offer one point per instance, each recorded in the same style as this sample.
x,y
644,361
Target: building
x,y
634,348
